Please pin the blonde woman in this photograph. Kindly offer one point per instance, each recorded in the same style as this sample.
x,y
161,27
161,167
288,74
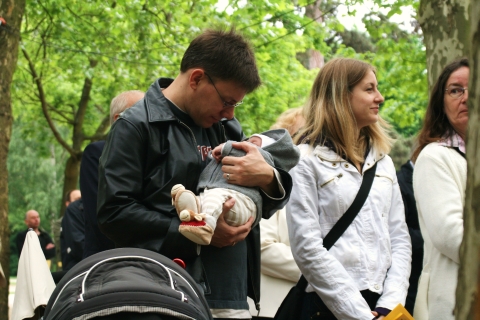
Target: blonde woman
x,y
365,274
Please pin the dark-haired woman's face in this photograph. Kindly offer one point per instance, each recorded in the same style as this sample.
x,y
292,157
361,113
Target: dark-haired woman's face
x,y
455,103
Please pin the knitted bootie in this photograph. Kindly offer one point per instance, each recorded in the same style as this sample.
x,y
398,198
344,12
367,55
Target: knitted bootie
x,y
193,225
197,231
183,199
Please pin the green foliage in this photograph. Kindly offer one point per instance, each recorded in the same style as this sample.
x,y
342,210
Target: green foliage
x,y
35,170
127,44
403,79
401,62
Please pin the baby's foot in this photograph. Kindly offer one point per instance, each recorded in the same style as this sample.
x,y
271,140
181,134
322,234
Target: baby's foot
x,y
189,215
183,199
197,231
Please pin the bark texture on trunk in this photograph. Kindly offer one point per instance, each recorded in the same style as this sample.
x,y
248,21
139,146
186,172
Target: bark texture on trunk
x,y
446,30
312,59
467,303
72,171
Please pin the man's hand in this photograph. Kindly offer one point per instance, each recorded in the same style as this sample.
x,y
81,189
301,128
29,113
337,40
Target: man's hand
x,y
250,170
49,246
226,235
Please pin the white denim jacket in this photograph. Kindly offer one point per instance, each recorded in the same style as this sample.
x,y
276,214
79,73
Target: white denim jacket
x,y
373,254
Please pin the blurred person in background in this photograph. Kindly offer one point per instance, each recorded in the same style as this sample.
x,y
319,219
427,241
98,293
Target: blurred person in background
x,y
72,235
95,240
439,181
32,220
69,229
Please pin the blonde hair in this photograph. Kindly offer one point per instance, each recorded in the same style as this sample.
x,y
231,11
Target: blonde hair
x,y
289,120
329,116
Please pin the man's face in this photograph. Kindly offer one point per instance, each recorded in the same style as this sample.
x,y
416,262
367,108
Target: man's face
x,y
32,219
207,106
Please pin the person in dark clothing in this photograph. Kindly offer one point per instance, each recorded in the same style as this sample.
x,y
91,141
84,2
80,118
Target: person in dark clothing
x,y
32,220
163,140
95,240
404,176
70,196
73,233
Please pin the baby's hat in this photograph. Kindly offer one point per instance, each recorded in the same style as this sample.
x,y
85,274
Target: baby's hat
x,y
266,141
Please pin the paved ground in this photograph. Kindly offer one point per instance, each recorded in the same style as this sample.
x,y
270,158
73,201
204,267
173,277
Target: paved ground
x,y
11,294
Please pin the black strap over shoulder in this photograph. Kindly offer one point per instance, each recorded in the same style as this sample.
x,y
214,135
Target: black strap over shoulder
x,y
348,217
460,152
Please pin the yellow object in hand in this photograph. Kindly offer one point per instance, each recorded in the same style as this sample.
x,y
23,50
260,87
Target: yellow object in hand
x,y
399,313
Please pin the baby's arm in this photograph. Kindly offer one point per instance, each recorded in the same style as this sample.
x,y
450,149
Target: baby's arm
x,y
217,152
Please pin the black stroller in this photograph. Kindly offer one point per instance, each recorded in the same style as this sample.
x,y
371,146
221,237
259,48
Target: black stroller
x,y
126,284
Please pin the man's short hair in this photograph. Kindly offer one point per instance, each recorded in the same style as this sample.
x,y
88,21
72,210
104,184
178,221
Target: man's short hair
x,y
121,102
225,55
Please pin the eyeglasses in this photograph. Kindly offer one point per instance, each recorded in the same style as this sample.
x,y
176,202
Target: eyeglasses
x,y
456,92
225,103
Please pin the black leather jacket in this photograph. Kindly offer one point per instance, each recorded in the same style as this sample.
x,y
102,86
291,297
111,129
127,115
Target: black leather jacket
x,y
147,152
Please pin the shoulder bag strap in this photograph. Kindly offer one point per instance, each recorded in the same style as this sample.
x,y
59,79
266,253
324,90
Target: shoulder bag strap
x,y
342,224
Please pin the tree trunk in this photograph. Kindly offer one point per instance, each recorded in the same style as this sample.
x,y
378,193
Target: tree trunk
x,y
12,12
312,59
446,30
72,171
467,303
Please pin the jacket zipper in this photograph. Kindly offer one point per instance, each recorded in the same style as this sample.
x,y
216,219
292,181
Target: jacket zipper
x,y
327,182
199,157
223,131
382,176
193,136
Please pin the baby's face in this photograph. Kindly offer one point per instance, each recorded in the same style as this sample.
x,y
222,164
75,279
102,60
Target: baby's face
x,y
256,141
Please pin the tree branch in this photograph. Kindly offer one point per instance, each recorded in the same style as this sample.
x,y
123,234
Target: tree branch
x,y
43,103
60,113
99,108
78,135
100,132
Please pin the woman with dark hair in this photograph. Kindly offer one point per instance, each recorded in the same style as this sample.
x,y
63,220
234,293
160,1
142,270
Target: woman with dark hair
x,y
439,181
365,273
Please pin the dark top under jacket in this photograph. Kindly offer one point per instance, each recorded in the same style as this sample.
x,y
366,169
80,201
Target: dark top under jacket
x,y
44,238
405,175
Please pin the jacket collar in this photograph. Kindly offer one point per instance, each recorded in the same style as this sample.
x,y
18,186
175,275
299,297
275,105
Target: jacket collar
x,y
373,157
327,154
156,103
